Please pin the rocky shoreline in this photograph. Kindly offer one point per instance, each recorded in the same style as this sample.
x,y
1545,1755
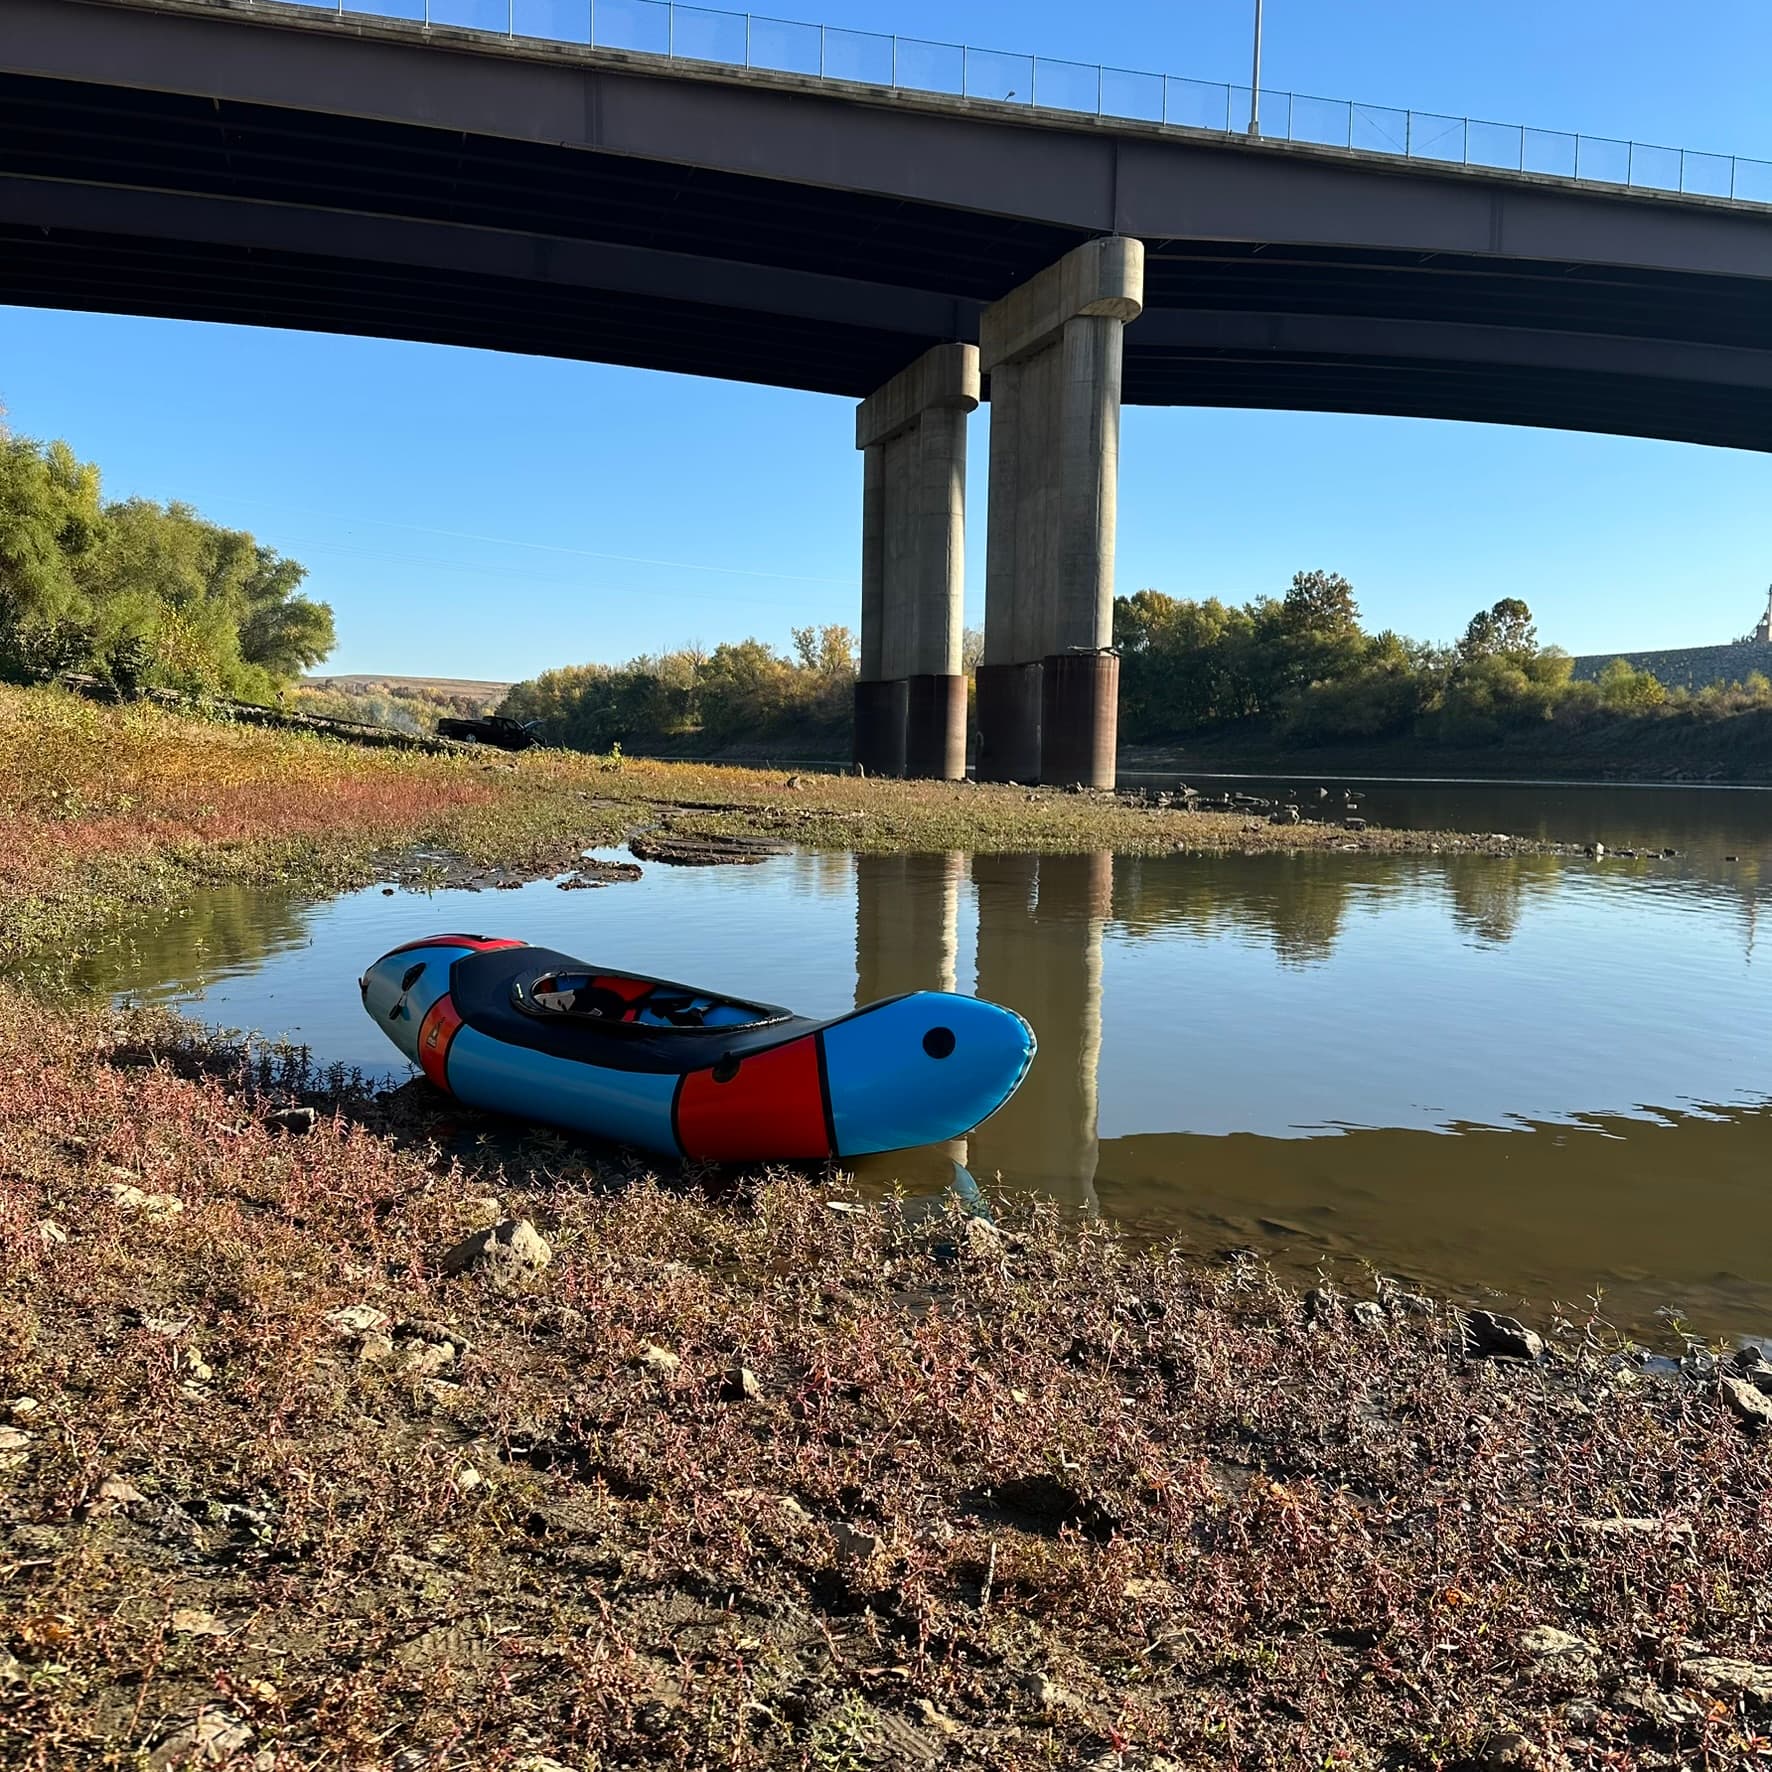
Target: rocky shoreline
x,y
336,1435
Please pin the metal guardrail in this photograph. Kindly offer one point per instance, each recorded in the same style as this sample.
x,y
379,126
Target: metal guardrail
x,y
701,34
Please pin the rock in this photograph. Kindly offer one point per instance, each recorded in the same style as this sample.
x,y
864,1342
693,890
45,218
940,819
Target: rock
x,y
127,1197
1560,1654
12,1670
211,1737
1488,1333
538,1763
1369,1314
356,1319
193,1621
1353,824
1596,851
935,1719
50,1234
483,1209
592,871
13,1439
1509,1751
296,1122
375,1349
438,1333
424,1359
659,1361
1039,1691
1322,1306
20,1407
1628,1527
1284,815
702,852
113,1495
1401,1302
854,1545
507,1253
199,1368
741,1385
467,1480
1747,1401
1670,1712
1727,1676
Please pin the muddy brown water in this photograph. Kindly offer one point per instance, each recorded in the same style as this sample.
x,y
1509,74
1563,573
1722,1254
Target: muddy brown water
x,y
1539,1077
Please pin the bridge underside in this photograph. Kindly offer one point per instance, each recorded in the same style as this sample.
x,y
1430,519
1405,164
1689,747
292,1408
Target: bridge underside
x,y
175,204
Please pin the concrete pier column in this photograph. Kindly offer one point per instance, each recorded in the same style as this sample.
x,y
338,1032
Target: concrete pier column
x,y
910,693
1048,687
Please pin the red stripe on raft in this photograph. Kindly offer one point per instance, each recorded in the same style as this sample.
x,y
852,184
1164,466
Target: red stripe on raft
x,y
771,1107
436,1034
480,944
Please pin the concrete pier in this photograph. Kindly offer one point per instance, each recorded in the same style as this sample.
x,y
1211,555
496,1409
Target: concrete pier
x,y
910,695
1048,686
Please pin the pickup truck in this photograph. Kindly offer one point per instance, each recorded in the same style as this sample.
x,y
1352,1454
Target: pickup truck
x,y
497,729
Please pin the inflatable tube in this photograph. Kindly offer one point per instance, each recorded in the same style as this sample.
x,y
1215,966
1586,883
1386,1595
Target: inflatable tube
x,y
685,1071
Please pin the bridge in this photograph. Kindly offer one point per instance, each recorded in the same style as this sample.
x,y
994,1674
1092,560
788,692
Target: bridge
x,y
919,251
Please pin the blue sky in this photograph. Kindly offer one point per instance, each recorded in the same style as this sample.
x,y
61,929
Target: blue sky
x,y
472,514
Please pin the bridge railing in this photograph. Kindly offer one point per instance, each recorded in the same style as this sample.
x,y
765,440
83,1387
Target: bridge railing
x,y
708,35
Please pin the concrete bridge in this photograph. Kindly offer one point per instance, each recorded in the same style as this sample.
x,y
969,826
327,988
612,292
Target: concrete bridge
x,y
245,161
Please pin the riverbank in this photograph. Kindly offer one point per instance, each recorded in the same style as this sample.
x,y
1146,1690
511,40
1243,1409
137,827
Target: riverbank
x,y
1732,751
108,809
770,1477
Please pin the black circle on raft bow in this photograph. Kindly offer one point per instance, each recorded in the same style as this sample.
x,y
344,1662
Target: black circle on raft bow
x,y
413,975
939,1042
726,1069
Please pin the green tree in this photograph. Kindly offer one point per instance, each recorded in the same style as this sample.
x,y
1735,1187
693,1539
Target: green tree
x,y
1626,690
1504,630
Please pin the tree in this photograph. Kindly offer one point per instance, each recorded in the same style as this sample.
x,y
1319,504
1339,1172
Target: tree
x,y
1505,630
49,519
827,651
141,592
1626,690
1321,603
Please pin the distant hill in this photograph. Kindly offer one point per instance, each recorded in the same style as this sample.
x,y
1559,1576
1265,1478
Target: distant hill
x,y
1688,667
367,682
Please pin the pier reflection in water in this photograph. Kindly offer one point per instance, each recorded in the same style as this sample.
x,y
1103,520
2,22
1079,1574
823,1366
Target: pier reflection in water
x,y
1531,1073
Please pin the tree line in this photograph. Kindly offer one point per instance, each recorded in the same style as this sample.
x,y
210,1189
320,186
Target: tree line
x,y
141,594
1304,668
742,692
1298,670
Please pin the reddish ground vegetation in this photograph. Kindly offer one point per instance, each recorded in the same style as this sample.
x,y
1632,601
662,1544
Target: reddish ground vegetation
x,y
757,1476
106,808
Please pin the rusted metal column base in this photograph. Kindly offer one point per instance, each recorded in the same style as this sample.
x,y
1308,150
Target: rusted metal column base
x,y
1009,722
1079,718
935,728
880,726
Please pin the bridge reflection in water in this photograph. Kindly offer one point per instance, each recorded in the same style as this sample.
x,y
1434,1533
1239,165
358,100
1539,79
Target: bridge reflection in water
x,y
1039,948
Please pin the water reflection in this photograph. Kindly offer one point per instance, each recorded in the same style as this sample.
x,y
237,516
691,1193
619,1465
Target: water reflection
x,y
1040,926
1535,1073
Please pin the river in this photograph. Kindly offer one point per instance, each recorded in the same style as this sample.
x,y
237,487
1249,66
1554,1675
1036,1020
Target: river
x,y
1535,1078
